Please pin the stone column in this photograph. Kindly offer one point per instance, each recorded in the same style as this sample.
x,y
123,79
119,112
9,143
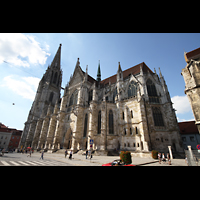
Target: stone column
x,y
44,131
30,133
52,128
103,127
59,128
37,133
170,152
24,136
190,150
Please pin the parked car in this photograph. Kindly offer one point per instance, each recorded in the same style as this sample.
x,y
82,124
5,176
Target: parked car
x,y
117,163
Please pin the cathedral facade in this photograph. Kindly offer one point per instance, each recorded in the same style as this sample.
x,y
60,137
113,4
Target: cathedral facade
x,y
131,110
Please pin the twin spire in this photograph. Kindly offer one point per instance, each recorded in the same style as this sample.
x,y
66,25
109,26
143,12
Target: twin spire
x,y
99,73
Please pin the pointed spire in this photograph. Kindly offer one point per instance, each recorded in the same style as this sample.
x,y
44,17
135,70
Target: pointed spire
x,y
77,63
185,56
141,70
86,73
99,73
119,67
56,61
119,73
160,74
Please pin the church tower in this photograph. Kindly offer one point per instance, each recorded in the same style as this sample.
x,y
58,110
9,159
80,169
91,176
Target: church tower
x,y
48,93
191,75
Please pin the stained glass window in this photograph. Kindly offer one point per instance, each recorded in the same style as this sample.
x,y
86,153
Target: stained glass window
x,y
99,123
157,116
132,89
111,123
85,125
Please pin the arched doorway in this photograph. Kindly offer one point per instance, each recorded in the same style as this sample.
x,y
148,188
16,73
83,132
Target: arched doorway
x,y
67,139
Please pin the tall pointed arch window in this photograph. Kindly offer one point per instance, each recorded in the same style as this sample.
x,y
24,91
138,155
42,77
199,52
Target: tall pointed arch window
x,y
157,116
85,125
111,122
55,78
51,97
132,89
90,96
152,93
99,123
73,98
114,94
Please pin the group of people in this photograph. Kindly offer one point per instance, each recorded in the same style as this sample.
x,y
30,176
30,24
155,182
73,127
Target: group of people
x,y
70,154
162,158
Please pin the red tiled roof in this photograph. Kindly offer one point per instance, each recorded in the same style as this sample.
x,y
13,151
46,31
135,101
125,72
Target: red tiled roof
x,y
2,125
133,70
193,54
188,127
5,130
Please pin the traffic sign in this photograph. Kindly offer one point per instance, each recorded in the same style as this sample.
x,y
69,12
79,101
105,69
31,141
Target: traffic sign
x,y
91,141
198,146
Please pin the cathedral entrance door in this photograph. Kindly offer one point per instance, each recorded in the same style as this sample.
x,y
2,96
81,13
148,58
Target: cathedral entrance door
x,y
69,144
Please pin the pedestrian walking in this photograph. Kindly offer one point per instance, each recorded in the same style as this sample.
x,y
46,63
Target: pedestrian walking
x,y
86,153
168,158
163,158
186,160
3,151
29,153
66,153
159,157
70,155
42,154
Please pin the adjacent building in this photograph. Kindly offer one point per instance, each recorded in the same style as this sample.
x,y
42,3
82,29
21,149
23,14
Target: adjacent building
x,y
189,134
191,75
9,138
131,110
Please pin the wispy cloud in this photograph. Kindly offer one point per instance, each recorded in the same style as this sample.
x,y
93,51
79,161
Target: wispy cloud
x,y
21,50
185,120
181,104
23,86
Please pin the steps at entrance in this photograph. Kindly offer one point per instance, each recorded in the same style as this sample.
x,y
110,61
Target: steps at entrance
x,y
62,151
113,153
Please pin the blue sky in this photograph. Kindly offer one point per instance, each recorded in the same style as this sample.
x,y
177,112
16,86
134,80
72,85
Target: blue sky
x,y
28,55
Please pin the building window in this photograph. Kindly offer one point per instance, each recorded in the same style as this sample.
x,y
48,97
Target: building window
x,y
192,139
114,94
85,125
184,139
132,89
157,116
99,123
124,131
131,114
133,144
90,96
51,97
136,130
55,78
73,98
131,131
111,123
151,89
123,115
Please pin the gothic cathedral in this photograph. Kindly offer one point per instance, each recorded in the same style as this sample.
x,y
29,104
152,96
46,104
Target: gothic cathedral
x,y
131,110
